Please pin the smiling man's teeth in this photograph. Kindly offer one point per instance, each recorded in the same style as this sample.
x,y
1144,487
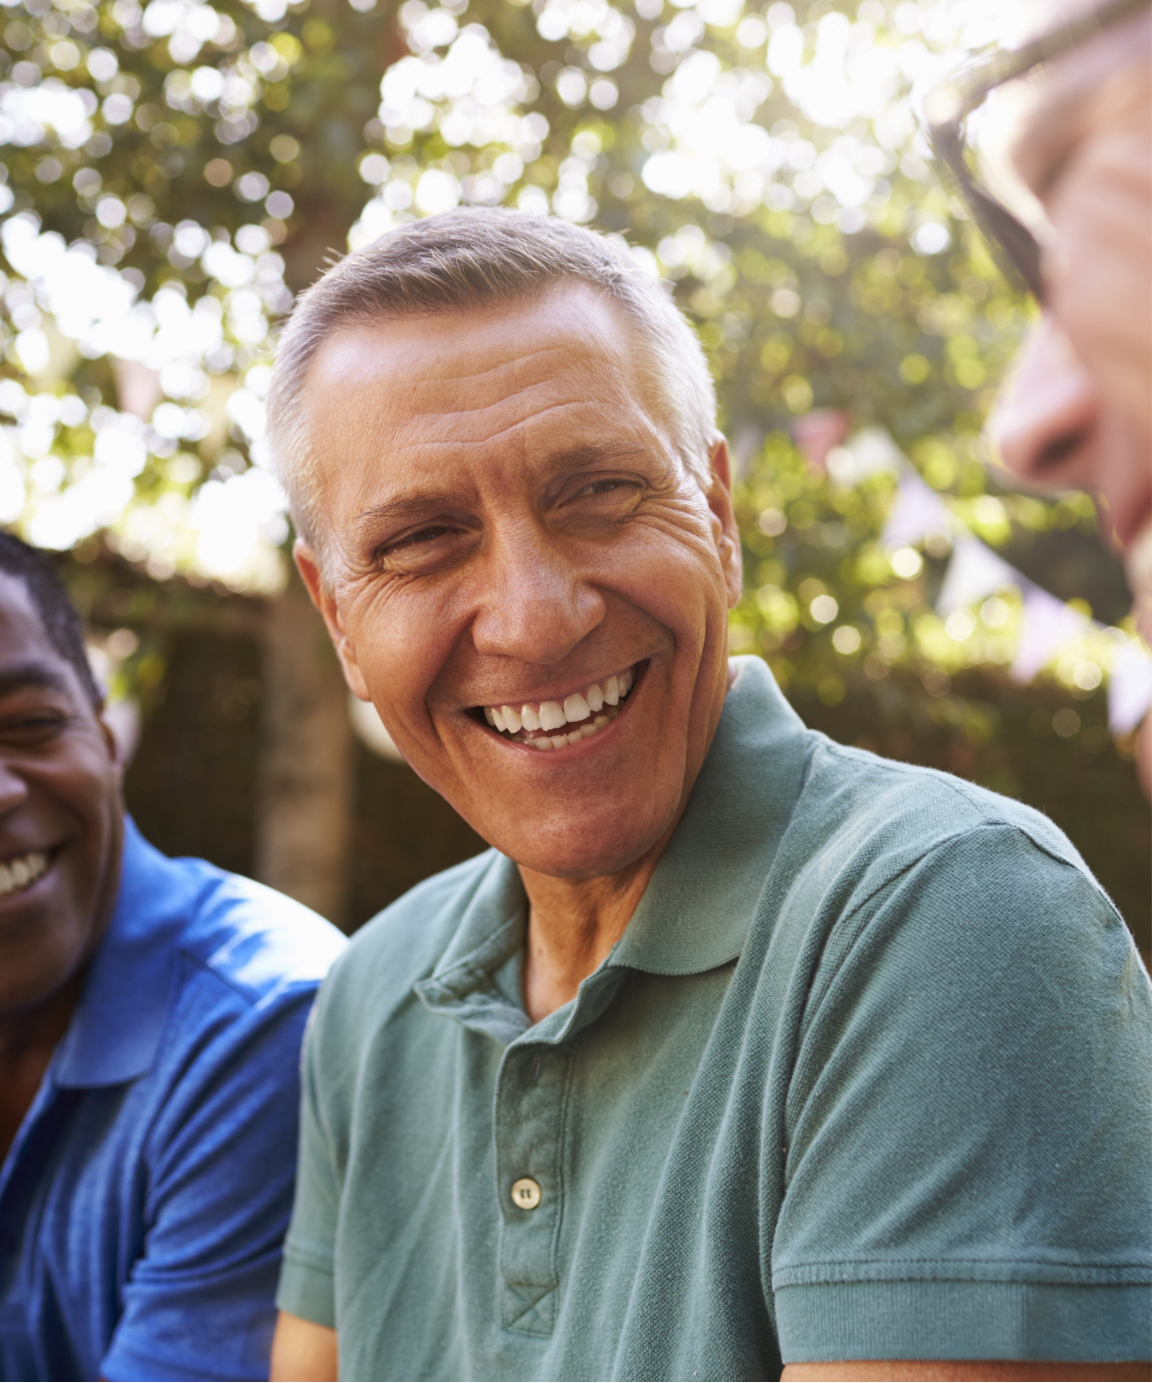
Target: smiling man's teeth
x,y
587,711
22,872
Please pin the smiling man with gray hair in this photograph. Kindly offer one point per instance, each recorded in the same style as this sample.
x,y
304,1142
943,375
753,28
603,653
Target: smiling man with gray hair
x,y
739,1049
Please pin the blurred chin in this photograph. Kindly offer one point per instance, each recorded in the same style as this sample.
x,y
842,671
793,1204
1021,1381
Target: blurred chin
x,y
29,980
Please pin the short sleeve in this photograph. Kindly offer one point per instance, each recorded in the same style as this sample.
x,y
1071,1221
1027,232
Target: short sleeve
x,y
199,1301
307,1277
967,1169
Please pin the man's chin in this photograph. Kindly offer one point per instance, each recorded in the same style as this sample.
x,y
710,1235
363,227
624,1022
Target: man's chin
x,y
580,855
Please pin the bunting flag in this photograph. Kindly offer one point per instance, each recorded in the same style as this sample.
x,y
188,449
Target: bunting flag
x,y
1045,624
975,572
917,514
1130,688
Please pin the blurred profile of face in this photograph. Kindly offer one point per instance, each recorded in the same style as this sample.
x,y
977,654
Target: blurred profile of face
x,y
1077,410
61,820
511,528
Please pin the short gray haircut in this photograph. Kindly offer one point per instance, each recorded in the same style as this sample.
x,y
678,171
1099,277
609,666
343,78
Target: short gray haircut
x,y
466,259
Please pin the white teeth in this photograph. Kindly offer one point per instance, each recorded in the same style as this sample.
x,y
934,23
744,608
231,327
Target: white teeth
x,y
18,874
575,708
552,715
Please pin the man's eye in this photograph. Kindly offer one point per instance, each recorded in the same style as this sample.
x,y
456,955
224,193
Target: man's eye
x,y
600,487
420,537
25,729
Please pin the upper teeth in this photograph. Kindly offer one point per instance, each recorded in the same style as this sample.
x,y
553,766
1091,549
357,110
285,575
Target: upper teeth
x,y
22,872
549,716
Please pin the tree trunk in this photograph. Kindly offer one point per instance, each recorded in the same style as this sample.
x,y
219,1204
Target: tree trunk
x,y
304,812
304,818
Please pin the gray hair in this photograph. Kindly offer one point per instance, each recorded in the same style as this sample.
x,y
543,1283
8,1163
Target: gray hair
x,y
465,259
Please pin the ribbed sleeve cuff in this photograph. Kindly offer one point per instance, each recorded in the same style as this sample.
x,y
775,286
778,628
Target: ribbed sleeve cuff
x,y
963,1320
306,1290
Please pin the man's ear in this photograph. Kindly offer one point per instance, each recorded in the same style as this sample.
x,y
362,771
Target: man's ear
x,y
719,498
111,743
325,602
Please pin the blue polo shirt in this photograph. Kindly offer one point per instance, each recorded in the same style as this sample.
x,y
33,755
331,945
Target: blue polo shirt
x,y
144,1200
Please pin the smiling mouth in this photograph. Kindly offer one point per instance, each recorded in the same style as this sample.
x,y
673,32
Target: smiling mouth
x,y
21,871
557,724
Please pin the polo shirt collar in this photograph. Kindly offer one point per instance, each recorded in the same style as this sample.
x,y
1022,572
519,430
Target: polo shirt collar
x,y
118,1021
698,907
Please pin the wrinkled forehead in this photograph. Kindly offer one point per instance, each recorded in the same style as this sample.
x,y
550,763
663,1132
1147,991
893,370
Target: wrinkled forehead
x,y
485,350
463,379
27,655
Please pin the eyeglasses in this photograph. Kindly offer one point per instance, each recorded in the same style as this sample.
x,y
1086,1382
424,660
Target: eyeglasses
x,y
948,105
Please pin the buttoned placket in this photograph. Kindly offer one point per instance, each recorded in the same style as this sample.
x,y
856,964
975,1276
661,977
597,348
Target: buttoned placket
x,y
530,1116
531,1123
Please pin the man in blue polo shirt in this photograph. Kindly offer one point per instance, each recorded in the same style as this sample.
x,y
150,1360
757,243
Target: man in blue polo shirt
x,y
151,1014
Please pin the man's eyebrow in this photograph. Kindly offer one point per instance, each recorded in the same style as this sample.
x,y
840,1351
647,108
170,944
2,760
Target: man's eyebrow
x,y
19,676
421,505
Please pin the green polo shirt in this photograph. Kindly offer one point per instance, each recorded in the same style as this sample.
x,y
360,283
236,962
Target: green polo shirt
x,y
865,1077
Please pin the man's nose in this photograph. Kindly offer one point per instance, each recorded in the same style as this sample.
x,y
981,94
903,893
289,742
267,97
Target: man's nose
x,y
13,788
535,604
1045,421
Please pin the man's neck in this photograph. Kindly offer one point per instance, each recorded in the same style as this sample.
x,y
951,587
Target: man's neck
x,y
28,1038
574,923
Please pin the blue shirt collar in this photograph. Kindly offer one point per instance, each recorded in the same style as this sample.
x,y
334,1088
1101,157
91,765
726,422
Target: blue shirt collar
x,y
119,1019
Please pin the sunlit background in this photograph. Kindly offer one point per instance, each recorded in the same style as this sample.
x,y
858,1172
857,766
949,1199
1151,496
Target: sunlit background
x,y
174,173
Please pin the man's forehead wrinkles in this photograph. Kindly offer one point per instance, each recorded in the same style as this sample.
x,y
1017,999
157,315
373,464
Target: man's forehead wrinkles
x,y
423,442
518,362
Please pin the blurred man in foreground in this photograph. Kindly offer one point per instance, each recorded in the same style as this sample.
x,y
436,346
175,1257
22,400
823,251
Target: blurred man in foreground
x,y
741,1048
1077,411
151,1013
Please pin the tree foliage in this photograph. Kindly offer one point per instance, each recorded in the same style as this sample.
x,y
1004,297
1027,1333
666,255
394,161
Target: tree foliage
x,y
175,172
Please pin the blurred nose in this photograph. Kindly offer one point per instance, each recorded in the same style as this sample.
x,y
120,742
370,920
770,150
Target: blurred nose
x,y
535,605
13,788
1045,422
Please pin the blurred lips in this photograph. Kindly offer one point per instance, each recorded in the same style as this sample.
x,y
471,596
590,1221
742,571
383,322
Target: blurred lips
x,y
21,871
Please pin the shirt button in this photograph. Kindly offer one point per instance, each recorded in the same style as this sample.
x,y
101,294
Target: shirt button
x,y
526,1193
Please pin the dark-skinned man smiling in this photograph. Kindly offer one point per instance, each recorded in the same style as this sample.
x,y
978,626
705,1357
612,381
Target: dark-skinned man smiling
x,y
151,1015
740,1051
